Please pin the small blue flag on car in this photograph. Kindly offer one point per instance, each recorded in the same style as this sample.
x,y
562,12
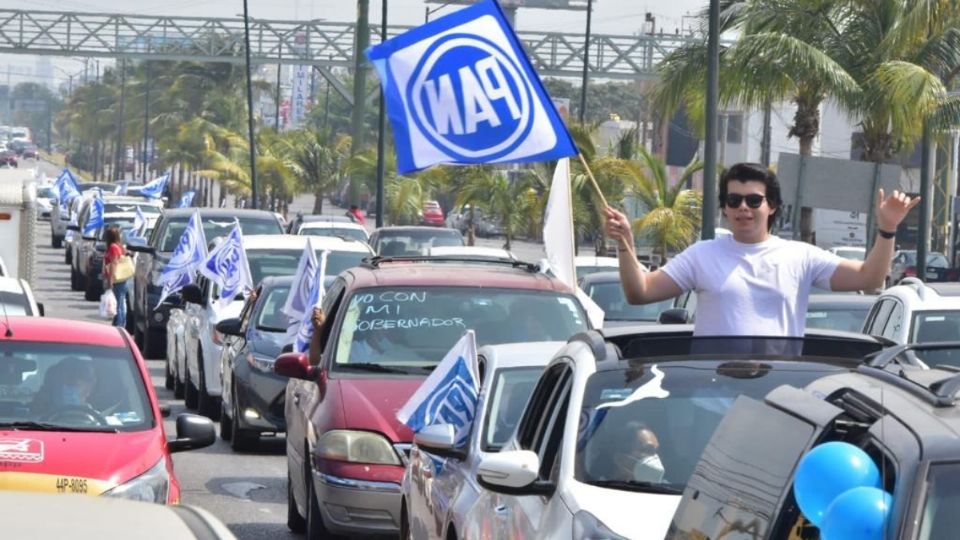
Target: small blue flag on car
x,y
67,188
154,189
95,219
227,266
186,200
305,330
461,90
298,299
449,395
187,257
139,220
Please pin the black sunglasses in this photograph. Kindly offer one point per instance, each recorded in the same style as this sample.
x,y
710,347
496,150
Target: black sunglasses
x,y
753,200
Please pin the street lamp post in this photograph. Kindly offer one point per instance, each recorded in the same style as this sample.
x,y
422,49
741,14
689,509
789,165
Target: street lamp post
x,y
381,128
586,63
709,208
121,150
251,134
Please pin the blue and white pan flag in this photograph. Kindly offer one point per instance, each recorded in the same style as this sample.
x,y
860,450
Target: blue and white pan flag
x,y
305,331
174,286
461,90
95,219
67,188
154,189
139,220
450,394
227,266
187,257
186,200
298,299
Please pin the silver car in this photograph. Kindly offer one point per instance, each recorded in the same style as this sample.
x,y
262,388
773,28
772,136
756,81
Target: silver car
x,y
440,486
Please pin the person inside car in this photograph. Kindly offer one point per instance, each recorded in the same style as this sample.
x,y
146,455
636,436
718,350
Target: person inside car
x,y
66,385
638,459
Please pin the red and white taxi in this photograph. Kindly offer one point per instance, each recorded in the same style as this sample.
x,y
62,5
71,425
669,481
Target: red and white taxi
x,y
78,414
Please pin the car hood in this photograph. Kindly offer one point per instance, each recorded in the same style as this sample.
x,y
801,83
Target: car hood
x,y
37,460
613,508
371,404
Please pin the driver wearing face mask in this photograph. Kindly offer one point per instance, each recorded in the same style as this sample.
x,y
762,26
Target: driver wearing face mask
x,y
66,384
639,461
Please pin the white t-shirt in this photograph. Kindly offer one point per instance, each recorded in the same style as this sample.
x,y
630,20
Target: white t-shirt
x,y
751,289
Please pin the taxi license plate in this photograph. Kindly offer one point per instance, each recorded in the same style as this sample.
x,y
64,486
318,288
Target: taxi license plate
x,y
66,484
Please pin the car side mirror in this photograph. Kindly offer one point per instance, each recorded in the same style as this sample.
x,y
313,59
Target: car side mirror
x,y
192,294
439,439
40,309
513,472
674,316
193,431
294,365
230,327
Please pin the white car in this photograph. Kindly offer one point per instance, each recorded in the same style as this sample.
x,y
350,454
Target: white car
x,y
342,229
849,252
589,264
439,487
176,347
471,251
16,298
916,312
267,255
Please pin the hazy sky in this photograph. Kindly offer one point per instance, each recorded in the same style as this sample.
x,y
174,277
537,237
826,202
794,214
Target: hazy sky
x,y
610,16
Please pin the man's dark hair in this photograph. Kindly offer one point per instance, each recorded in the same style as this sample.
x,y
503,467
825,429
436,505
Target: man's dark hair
x,y
746,172
111,235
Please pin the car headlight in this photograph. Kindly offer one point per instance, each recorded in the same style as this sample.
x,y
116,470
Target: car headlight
x,y
586,526
260,363
357,447
151,486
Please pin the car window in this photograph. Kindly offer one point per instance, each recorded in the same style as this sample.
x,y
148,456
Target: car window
x,y
343,232
79,386
751,457
879,318
416,242
509,393
247,310
940,518
849,319
407,327
609,296
15,304
535,412
894,321
283,262
643,427
270,318
212,228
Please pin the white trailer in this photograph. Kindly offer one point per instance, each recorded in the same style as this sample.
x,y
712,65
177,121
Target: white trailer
x,y
18,223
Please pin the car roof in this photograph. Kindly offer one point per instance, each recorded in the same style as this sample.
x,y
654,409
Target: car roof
x,y
475,251
822,301
313,218
330,224
270,282
292,241
401,229
219,213
421,273
601,277
63,331
919,295
594,260
511,355
11,285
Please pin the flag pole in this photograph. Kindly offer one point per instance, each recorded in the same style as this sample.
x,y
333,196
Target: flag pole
x,y
596,188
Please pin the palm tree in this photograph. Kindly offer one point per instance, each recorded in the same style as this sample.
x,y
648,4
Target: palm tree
x,y
672,212
314,163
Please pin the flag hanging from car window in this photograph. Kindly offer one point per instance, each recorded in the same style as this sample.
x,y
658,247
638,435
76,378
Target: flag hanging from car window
x,y
461,90
154,189
95,219
227,266
187,257
305,331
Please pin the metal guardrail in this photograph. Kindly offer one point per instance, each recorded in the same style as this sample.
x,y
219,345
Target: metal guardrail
x,y
318,43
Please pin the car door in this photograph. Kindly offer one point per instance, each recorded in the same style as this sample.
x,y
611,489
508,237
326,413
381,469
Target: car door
x,y
235,348
541,431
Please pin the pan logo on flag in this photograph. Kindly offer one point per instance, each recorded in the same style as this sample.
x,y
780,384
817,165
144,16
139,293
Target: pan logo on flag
x,y
466,84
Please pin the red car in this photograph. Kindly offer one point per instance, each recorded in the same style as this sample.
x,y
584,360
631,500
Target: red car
x,y
8,157
432,214
78,414
388,324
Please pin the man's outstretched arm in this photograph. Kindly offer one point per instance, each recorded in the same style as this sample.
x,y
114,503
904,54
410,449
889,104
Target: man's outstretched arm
x,y
639,287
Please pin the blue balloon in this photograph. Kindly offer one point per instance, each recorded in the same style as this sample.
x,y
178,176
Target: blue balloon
x,y
858,514
827,471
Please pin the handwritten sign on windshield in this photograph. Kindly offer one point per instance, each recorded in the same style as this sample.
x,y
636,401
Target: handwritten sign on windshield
x,y
391,310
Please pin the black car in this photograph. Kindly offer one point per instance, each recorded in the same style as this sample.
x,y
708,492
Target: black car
x,y
252,394
149,321
902,416
605,289
407,241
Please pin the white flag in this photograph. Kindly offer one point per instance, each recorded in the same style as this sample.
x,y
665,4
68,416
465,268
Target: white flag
x,y
558,238
298,299
227,266
450,394
189,254
305,331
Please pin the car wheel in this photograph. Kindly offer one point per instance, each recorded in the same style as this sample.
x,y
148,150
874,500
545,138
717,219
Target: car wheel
x,y
295,522
168,378
190,394
179,389
153,346
131,322
56,242
405,533
226,424
93,290
316,530
206,404
74,280
67,256
243,439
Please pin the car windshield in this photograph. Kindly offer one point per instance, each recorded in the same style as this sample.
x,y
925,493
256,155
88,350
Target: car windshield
x,y
126,225
509,394
609,296
940,518
46,192
118,207
934,260
644,426
408,327
77,387
213,228
849,319
338,232
14,304
283,262
936,326
270,318
416,242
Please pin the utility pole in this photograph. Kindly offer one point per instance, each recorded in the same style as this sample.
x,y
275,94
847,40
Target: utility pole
x,y
765,139
121,149
927,157
251,134
146,122
359,89
586,64
326,102
381,128
709,208
279,70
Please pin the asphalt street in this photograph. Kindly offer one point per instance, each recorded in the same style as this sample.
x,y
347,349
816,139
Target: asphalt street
x,y
247,491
